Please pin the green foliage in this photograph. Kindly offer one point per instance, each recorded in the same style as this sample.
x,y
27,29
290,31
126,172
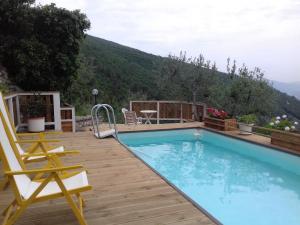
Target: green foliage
x,y
282,123
248,119
36,107
3,88
186,78
122,74
238,93
248,92
40,44
118,72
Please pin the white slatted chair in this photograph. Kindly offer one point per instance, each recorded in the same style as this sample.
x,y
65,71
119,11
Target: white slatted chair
x,y
28,191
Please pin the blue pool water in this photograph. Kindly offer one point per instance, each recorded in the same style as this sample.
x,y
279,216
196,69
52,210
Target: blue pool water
x,y
237,182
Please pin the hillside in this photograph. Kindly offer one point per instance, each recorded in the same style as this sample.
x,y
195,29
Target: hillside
x,y
122,73
288,88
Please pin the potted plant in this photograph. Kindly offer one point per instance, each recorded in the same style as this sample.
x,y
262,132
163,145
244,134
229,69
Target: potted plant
x,y
246,122
36,114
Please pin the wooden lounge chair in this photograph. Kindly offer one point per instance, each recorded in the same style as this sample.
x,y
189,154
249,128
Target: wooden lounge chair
x,y
131,118
38,151
28,191
36,145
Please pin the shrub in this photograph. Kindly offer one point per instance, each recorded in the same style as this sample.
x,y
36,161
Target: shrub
x,y
282,123
248,119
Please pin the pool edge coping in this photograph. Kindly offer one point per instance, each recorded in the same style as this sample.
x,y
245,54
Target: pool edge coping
x,y
273,147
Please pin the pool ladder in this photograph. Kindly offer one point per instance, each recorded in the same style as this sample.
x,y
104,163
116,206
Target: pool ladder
x,y
96,121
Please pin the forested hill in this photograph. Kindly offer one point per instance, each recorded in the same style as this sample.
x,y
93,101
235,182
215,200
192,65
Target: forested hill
x,y
122,73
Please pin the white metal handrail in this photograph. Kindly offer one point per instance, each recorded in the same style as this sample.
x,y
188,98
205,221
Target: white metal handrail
x,y
95,114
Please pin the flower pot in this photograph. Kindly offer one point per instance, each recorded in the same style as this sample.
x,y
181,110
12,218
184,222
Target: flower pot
x,y
218,124
36,124
245,128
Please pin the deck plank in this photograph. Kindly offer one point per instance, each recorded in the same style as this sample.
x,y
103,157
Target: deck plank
x,y
125,191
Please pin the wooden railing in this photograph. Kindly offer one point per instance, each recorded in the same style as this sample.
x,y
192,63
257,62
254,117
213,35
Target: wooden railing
x,y
170,110
17,106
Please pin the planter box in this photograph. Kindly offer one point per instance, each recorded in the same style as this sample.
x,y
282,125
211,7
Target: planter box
x,y
223,125
286,140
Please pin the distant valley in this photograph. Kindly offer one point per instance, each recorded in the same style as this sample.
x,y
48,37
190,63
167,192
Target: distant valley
x,y
292,88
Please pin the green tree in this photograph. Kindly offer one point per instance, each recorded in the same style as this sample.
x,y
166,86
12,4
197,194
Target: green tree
x,y
190,79
40,44
248,92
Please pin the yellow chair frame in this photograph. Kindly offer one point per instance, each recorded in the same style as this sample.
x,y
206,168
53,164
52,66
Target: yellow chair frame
x,y
38,147
17,207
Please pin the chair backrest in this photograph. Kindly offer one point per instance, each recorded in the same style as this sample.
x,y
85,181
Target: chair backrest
x,y
8,120
11,157
130,117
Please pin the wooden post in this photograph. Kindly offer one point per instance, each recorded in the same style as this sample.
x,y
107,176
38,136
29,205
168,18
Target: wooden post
x,y
56,108
18,112
130,106
157,112
204,112
73,120
11,110
181,121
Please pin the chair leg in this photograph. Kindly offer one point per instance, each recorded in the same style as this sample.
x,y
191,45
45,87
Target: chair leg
x,y
81,202
12,219
4,184
16,215
6,214
76,211
11,204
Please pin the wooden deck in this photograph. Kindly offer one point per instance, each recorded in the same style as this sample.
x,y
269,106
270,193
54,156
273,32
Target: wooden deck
x,y
125,191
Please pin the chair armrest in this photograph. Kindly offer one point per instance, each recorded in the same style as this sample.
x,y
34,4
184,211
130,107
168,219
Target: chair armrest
x,y
49,170
53,132
37,134
50,153
35,141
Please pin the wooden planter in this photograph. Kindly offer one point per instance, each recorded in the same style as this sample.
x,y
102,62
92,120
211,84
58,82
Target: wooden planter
x,y
286,140
218,124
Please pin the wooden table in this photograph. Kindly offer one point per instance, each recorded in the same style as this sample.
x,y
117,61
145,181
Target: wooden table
x,y
148,114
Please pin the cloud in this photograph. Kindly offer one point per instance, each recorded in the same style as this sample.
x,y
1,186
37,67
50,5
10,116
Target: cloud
x,y
245,30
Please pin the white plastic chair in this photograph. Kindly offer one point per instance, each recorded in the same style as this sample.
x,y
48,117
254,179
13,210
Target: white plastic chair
x,y
131,118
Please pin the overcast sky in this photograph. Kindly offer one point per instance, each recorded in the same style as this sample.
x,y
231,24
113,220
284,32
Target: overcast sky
x,y
262,33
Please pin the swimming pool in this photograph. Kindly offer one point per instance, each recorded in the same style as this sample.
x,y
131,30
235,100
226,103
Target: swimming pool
x,y
237,182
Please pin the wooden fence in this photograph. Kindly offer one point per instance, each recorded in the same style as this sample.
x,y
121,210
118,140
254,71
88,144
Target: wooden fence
x,y
170,110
